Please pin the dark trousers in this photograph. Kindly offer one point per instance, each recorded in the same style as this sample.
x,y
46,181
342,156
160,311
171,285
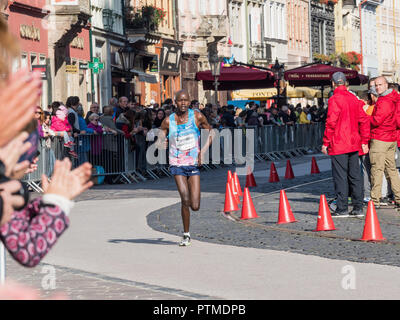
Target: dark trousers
x,y
346,174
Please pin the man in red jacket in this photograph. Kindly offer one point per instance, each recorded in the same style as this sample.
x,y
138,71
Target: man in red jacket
x,y
347,129
384,142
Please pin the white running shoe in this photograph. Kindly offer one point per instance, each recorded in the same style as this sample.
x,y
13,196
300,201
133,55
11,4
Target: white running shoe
x,y
185,241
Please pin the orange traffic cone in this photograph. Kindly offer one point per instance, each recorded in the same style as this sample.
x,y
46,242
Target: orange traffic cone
x,y
314,166
324,222
372,230
285,212
234,190
237,184
230,200
250,180
248,210
273,175
229,176
289,171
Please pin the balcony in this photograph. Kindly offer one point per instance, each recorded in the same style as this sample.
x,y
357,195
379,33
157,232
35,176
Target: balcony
x,y
142,24
260,52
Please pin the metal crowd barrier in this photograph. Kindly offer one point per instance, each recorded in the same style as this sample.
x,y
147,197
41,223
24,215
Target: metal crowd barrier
x,y
116,159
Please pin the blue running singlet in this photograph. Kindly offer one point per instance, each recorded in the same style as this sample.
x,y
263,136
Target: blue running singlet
x,y
184,141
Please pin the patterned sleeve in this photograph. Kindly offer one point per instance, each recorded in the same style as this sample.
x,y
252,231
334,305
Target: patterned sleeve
x,y
33,231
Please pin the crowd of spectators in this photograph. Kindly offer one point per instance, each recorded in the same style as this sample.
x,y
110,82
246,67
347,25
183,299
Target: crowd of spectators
x,y
82,134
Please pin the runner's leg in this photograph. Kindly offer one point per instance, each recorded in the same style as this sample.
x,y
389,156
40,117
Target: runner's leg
x,y
194,191
183,189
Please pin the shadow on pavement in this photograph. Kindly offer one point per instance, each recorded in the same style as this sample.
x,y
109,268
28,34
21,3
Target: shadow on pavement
x,y
145,241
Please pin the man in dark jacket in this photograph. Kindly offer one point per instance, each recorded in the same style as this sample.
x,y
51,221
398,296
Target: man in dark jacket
x,y
347,129
384,142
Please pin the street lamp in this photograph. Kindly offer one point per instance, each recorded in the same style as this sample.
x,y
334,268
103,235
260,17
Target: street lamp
x,y
216,72
278,70
215,65
127,56
108,19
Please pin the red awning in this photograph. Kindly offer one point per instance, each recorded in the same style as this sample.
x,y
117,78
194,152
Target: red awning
x,y
320,75
236,78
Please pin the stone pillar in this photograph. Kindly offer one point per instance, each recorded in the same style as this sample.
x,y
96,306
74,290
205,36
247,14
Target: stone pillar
x,y
65,22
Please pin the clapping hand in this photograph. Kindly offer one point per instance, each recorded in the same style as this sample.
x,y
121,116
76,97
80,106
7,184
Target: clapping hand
x,y
10,201
66,182
11,153
19,98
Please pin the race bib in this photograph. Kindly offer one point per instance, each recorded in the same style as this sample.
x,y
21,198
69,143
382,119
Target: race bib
x,y
186,142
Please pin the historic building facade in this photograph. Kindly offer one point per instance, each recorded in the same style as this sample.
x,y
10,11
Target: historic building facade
x,y
26,21
322,27
369,44
298,32
259,52
275,25
107,37
158,51
69,48
388,37
202,25
238,16
347,26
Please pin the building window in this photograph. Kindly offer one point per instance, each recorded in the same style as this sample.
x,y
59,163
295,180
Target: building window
x,y
33,59
42,60
24,60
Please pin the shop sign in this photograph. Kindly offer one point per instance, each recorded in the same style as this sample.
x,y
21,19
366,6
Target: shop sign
x,y
71,68
170,59
29,32
83,66
42,69
78,43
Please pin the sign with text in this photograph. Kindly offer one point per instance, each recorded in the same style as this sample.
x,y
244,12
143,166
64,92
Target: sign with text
x,y
83,66
42,69
71,68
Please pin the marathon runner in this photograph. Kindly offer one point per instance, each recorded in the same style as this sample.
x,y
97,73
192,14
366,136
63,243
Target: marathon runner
x,y
185,156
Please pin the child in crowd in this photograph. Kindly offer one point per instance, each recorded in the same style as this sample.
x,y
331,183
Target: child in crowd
x,y
59,123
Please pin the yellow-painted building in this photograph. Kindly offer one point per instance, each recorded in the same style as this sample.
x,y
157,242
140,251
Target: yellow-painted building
x,y
347,26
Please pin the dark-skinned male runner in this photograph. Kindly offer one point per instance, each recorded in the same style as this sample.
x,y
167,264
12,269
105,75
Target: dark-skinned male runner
x,y
185,156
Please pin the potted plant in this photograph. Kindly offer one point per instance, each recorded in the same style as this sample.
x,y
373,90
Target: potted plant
x,y
148,17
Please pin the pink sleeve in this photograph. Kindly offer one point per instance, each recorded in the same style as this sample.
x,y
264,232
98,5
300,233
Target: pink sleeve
x,y
33,231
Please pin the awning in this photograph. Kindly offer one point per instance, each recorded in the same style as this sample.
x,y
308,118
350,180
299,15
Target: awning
x,y
317,75
236,78
263,94
145,77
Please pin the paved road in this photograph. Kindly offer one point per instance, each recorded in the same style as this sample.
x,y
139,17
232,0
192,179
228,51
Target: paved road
x,y
111,252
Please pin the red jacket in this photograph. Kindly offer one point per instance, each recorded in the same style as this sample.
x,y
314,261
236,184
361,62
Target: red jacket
x,y
398,118
383,119
347,125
